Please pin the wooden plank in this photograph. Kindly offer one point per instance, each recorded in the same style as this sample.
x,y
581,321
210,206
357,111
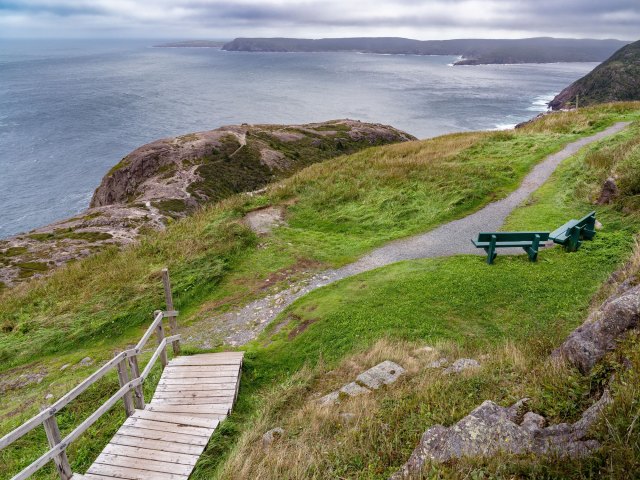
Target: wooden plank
x,y
229,382
227,401
148,454
166,436
176,418
173,322
195,394
158,316
211,387
163,407
144,464
161,445
211,375
203,368
90,476
132,473
198,360
168,427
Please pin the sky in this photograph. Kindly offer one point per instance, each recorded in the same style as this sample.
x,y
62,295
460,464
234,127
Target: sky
x,y
226,19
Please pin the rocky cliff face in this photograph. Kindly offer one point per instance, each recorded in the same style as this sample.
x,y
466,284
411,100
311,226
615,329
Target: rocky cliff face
x,y
616,79
170,178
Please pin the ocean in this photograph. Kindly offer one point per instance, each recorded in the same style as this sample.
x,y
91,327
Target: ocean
x,y
71,109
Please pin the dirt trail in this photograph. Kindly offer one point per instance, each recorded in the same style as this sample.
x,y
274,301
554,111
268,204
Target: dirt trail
x,y
453,238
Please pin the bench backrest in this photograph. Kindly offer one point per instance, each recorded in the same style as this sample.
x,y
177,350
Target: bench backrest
x,y
513,236
589,218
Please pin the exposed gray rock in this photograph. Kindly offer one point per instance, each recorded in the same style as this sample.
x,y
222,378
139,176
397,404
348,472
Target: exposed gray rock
x,y
491,428
441,362
462,364
86,361
271,436
588,343
384,373
65,366
353,390
609,191
48,396
329,399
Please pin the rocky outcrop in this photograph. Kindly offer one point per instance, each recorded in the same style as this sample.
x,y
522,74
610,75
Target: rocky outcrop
x,y
169,178
609,192
616,79
599,334
490,429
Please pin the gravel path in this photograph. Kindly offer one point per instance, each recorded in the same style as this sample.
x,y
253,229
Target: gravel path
x,y
453,238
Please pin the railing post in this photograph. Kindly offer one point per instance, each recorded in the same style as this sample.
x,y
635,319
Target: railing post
x,y
123,377
160,336
54,438
173,322
138,392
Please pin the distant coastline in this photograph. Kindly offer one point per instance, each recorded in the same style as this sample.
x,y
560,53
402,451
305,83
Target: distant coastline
x,y
470,51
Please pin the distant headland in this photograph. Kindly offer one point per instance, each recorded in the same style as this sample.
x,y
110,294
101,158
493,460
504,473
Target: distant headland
x,y
471,51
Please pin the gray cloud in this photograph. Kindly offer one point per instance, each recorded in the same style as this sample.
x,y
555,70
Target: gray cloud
x,y
330,18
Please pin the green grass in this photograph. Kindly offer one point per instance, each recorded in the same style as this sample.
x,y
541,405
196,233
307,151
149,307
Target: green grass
x,y
336,211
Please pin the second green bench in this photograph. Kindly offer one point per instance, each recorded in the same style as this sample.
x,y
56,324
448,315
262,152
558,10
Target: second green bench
x,y
571,234
528,241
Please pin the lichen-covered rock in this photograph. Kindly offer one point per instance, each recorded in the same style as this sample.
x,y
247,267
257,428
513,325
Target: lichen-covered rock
x,y
588,343
384,373
353,390
490,429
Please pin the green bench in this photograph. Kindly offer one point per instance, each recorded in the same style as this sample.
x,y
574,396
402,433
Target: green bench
x,y
528,241
571,234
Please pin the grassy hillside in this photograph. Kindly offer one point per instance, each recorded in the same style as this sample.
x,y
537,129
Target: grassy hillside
x,y
335,211
614,80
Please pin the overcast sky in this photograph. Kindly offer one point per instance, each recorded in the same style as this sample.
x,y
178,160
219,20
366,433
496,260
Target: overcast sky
x,y
223,19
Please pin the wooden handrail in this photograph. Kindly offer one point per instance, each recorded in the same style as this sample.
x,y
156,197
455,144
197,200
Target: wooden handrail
x,y
120,362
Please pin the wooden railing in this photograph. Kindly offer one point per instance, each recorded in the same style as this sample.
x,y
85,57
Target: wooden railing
x,y
131,392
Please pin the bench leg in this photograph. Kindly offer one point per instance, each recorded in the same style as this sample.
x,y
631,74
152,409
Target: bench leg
x,y
589,230
573,242
533,249
491,251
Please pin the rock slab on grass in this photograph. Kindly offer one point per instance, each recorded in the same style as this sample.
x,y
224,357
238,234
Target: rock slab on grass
x,y
384,373
490,429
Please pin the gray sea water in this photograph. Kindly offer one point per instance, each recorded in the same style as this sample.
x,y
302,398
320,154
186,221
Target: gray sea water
x,y
69,110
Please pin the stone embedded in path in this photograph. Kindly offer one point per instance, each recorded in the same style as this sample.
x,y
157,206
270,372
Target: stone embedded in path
x,y
329,399
490,429
441,362
384,373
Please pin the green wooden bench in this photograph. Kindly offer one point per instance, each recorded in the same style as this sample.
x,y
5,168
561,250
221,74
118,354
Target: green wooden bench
x,y
571,234
528,241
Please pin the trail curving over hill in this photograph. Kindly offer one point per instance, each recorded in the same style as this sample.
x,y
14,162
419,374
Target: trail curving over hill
x,y
452,238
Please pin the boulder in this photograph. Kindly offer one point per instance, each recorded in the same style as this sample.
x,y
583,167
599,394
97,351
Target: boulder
x,y
609,192
490,429
599,334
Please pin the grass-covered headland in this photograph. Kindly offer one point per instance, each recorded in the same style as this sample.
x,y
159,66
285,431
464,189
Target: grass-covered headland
x,y
511,314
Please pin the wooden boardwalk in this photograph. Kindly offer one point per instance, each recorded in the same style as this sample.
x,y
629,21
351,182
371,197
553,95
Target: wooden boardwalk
x,y
165,440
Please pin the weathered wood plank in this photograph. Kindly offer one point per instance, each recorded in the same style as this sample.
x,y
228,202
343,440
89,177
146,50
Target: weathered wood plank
x,y
225,376
228,402
132,473
144,464
162,445
168,427
212,387
146,453
203,368
228,381
173,417
215,409
166,436
195,394
206,360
